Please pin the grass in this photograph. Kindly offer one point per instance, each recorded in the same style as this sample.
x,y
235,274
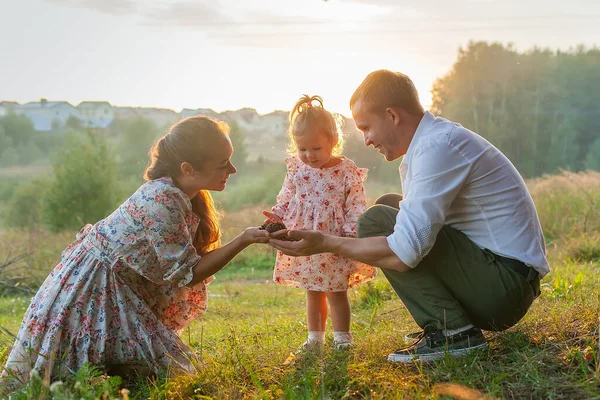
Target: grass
x,y
252,326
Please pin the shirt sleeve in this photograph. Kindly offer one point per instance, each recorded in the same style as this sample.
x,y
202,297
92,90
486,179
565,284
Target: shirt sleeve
x,y
439,172
288,190
169,234
356,199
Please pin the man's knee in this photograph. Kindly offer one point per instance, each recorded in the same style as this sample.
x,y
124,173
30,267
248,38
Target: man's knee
x,y
378,220
390,199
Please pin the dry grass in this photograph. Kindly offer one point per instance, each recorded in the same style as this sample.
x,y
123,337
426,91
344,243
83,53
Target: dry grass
x,y
252,325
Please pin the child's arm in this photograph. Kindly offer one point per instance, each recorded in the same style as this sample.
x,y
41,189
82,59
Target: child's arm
x,y
288,190
356,200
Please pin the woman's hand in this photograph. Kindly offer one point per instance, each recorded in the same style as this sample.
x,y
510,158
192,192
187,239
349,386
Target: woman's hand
x,y
255,235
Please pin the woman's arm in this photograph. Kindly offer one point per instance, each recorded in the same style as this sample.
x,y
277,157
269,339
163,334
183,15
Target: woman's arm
x,y
212,262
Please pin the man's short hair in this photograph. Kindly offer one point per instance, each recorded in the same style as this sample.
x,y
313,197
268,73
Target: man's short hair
x,y
384,88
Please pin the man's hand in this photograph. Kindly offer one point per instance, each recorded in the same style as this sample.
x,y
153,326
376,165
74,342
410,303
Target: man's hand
x,y
373,251
307,242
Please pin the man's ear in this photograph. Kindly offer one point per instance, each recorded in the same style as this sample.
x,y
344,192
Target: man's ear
x,y
395,115
186,169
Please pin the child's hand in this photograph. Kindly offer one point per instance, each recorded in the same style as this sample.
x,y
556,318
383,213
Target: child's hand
x,y
255,235
271,217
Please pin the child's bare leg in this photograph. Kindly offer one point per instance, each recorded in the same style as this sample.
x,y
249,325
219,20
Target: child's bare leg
x,y
316,310
316,317
340,310
340,318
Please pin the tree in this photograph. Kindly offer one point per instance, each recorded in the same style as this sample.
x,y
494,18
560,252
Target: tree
x,y
238,140
8,154
563,149
592,161
19,128
136,138
84,189
540,107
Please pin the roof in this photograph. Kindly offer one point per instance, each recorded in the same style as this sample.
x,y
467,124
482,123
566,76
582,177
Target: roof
x,y
46,104
94,104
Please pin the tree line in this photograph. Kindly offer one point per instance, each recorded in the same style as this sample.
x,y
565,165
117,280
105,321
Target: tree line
x,y
540,107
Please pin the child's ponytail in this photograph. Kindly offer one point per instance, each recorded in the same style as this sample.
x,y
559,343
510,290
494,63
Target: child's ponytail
x,y
308,114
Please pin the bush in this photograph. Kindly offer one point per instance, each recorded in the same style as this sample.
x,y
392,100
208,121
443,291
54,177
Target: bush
x,y
260,187
25,207
568,203
85,188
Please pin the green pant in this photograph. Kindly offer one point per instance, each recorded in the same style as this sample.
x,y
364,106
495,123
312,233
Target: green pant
x,y
457,283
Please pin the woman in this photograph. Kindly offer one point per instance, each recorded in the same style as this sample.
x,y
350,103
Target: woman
x,y
131,282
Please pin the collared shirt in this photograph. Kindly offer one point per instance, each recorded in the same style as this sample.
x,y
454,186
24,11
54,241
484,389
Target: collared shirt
x,y
452,176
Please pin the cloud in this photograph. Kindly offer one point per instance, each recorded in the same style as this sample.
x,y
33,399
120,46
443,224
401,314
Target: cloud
x,y
188,14
112,7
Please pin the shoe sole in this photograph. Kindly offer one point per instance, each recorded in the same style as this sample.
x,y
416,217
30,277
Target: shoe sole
x,y
408,358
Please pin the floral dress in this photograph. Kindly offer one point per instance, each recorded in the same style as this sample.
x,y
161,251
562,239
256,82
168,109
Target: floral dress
x,y
119,294
329,200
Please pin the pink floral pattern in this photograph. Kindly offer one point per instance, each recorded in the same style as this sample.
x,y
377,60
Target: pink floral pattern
x,y
118,296
329,200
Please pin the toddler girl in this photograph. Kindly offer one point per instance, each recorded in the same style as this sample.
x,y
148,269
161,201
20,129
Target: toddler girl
x,y
322,191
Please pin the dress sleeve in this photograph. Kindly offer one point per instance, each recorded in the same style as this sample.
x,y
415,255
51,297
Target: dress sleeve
x,y
356,199
288,189
169,234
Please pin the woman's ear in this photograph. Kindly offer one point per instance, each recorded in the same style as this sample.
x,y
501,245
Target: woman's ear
x,y
186,169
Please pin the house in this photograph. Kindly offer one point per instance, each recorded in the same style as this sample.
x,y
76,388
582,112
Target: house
x,y
124,112
188,112
348,125
162,117
47,115
7,107
275,124
246,118
96,114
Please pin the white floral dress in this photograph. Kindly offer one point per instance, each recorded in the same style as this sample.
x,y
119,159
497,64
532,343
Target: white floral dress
x,y
329,200
118,296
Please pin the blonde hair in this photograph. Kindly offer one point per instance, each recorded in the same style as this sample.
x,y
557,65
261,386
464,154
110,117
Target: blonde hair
x,y
384,88
307,116
186,141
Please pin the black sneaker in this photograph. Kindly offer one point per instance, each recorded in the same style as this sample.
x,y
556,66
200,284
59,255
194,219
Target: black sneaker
x,y
433,345
413,336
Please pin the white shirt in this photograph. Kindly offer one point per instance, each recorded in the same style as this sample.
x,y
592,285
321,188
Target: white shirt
x,y
452,176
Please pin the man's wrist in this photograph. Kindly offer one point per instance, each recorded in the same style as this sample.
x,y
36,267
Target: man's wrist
x,y
332,244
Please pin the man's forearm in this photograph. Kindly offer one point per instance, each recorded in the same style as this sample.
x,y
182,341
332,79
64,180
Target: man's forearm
x,y
373,251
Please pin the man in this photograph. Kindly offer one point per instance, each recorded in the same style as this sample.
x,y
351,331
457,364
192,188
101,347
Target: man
x,y
463,248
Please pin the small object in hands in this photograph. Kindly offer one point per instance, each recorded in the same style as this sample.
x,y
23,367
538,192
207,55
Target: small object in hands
x,y
272,226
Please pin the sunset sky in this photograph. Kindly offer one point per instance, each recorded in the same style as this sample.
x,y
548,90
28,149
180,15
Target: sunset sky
x,y
262,54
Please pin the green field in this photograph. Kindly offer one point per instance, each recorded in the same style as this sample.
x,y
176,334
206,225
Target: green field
x,y
252,325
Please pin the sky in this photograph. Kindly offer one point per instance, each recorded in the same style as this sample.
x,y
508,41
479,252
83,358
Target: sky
x,y
231,54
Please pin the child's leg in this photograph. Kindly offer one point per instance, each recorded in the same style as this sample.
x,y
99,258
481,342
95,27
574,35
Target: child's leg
x,y
316,316
340,318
